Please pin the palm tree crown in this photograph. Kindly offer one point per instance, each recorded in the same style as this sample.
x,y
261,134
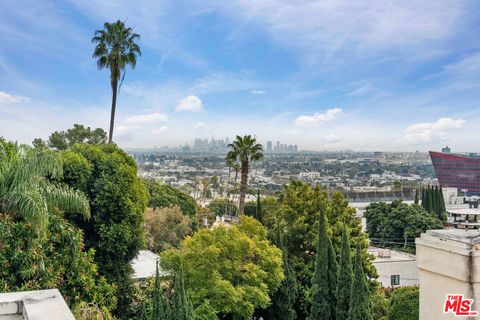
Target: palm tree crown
x,y
244,149
25,191
115,48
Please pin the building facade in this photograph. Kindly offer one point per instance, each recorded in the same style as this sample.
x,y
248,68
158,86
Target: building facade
x,y
448,266
457,171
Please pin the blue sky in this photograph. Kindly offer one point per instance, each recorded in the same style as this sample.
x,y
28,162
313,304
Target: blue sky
x,y
326,75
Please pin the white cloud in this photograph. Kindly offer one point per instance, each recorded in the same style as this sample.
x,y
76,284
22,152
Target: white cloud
x,y
160,130
318,118
257,92
199,125
190,104
431,131
145,118
320,29
9,98
332,138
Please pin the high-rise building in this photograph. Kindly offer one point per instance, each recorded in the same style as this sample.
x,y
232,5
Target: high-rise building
x,y
457,171
269,146
278,145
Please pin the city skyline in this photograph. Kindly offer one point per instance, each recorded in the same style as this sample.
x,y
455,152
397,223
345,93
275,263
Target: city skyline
x,y
322,75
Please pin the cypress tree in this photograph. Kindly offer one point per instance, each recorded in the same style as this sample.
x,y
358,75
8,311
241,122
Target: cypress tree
x,y
283,301
436,201
182,306
442,203
360,296
345,278
258,211
431,200
160,304
416,197
423,199
324,276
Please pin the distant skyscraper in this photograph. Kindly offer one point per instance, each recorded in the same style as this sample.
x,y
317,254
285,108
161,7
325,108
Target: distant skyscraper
x,y
446,150
269,146
278,145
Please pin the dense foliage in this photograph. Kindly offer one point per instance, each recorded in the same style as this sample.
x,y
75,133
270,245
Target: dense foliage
x,y
360,308
345,278
118,198
433,202
228,270
393,224
297,212
165,228
404,304
324,280
162,195
25,190
62,140
29,262
221,206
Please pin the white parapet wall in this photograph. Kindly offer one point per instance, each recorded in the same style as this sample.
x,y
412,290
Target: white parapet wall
x,y
448,263
34,305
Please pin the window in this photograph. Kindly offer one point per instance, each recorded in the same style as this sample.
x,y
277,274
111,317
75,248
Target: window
x,y
395,280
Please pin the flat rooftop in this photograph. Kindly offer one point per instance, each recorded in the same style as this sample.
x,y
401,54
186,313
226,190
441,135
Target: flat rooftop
x,y
34,305
464,211
468,236
394,256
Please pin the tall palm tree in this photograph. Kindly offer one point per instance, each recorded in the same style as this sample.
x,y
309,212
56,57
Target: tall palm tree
x,y
244,149
25,188
116,48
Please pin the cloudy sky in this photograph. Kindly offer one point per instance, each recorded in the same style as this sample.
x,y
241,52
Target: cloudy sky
x,y
326,74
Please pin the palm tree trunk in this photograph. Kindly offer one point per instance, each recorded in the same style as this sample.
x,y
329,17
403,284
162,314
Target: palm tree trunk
x,y
243,187
114,106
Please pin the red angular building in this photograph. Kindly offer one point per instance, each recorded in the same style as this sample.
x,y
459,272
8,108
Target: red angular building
x,y
457,171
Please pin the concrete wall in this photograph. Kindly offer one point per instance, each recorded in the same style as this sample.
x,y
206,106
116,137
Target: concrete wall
x,y
448,263
406,269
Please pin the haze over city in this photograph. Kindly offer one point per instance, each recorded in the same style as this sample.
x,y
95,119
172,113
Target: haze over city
x,y
324,76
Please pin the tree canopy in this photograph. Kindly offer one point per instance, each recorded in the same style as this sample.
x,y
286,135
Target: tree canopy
x,y
118,198
62,140
162,195
232,269
404,304
296,212
165,228
393,224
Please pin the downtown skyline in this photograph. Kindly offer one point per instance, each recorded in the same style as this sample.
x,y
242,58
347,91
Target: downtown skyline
x,y
320,74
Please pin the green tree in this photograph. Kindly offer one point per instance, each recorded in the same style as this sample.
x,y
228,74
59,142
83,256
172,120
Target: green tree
x,y
244,149
165,228
26,192
360,296
387,224
379,305
182,305
62,140
297,212
115,49
345,278
162,195
284,299
416,197
118,198
324,280
56,260
234,268
221,206
404,304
